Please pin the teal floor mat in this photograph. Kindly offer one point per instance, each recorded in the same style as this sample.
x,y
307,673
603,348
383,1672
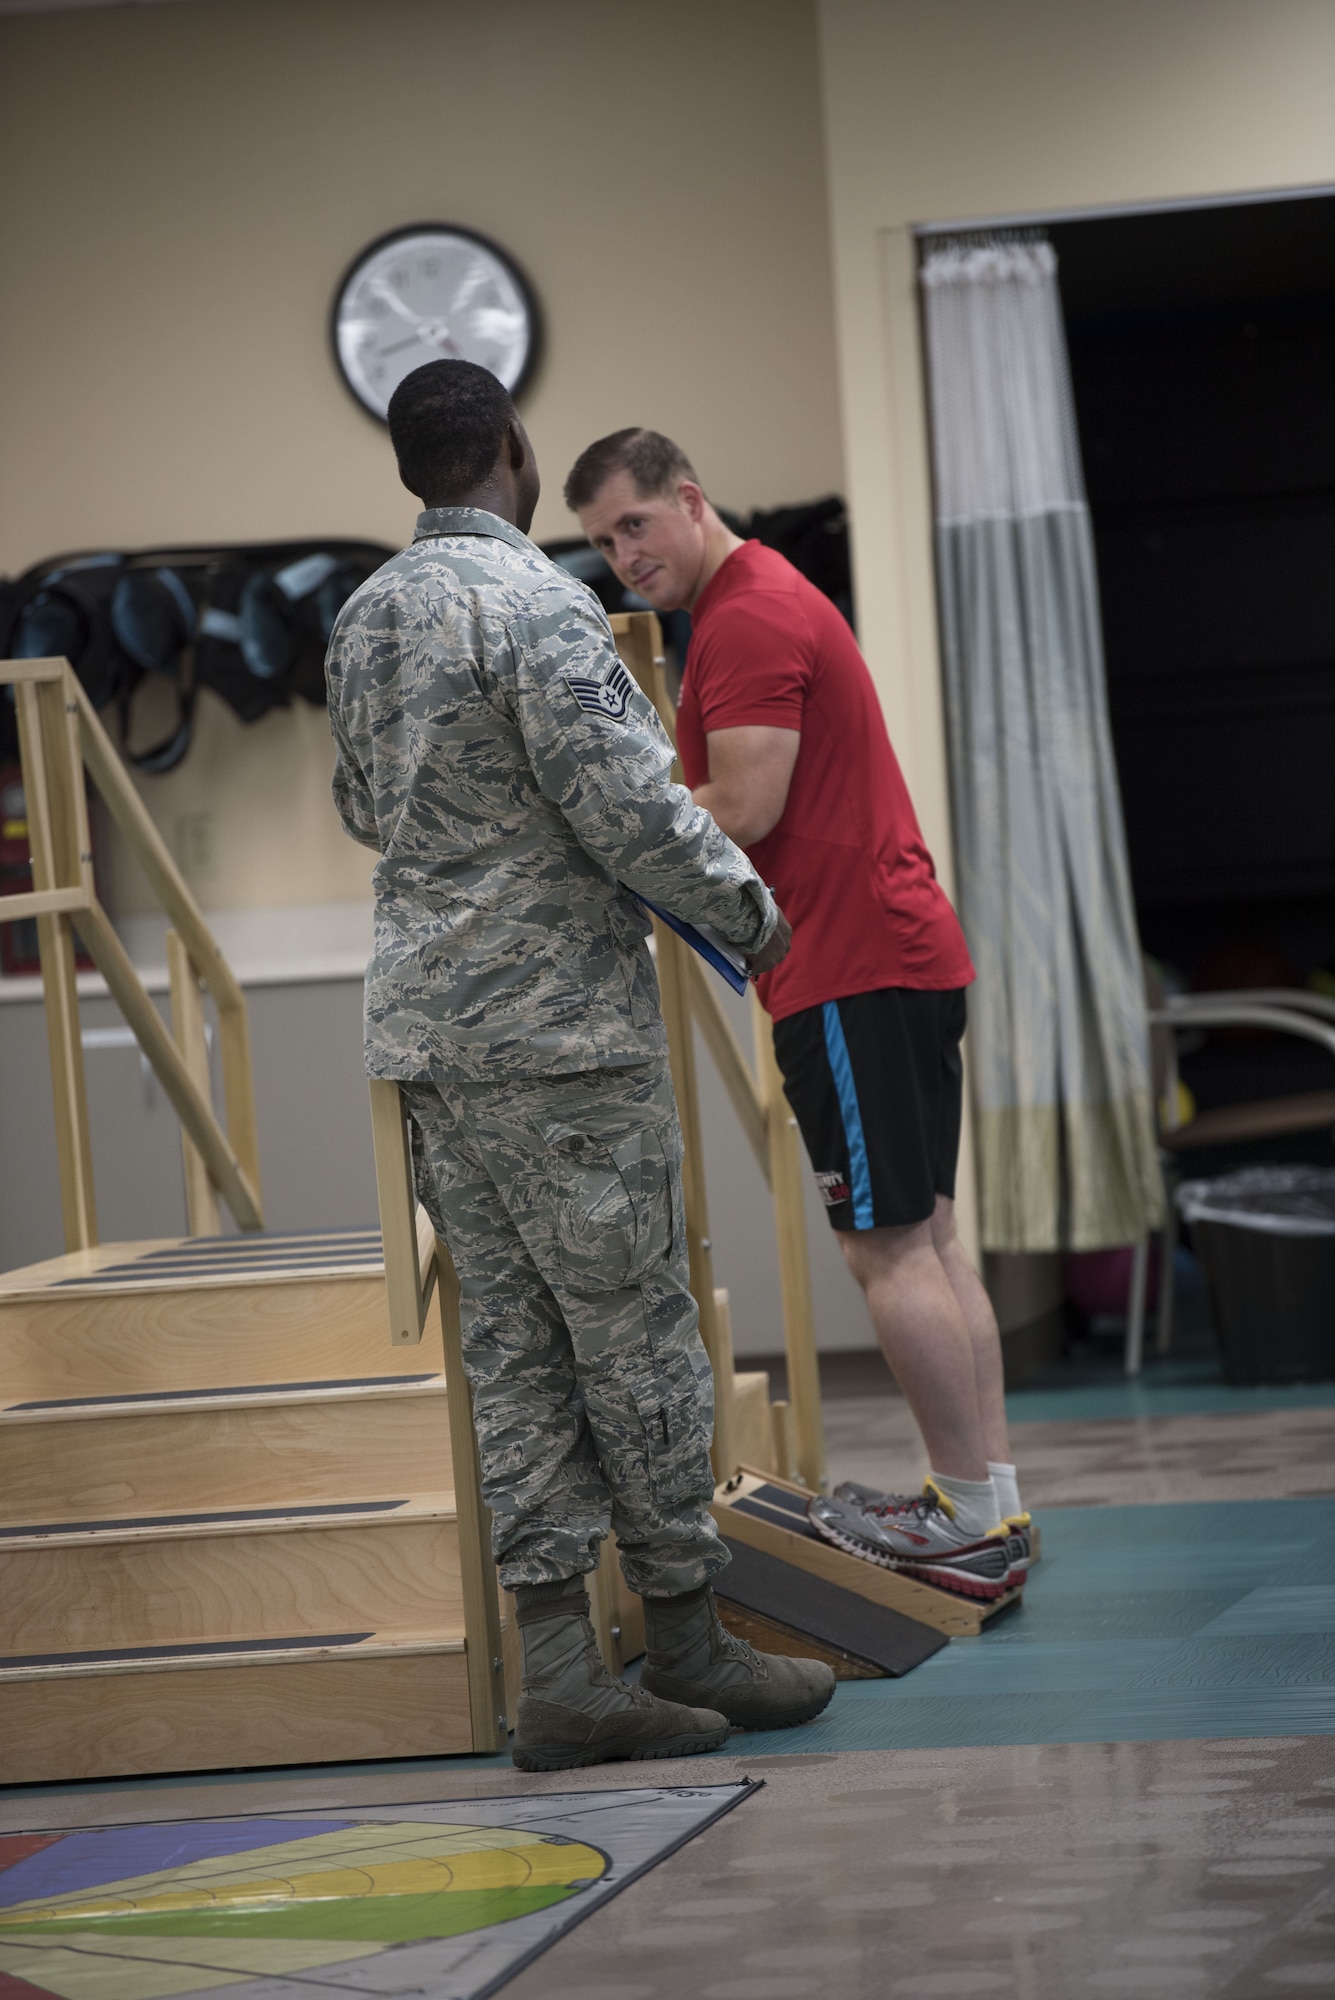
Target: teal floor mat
x,y
1140,1624
1072,1392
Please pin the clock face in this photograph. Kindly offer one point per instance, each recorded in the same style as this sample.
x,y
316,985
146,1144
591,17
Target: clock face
x,y
431,293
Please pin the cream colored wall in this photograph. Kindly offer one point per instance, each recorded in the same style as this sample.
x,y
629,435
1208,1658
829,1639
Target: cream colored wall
x,y
941,110
181,187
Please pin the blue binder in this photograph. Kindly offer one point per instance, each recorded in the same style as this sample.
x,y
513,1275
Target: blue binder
x,y
715,950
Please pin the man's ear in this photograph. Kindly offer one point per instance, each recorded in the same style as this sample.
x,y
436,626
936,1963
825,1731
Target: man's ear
x,y
691,497
517,442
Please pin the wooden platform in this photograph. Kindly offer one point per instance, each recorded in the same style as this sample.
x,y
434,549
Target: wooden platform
x,y
227,1524
770,1514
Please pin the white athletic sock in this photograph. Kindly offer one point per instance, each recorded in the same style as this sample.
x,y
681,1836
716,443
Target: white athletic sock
x,y
1008,1491
974,1502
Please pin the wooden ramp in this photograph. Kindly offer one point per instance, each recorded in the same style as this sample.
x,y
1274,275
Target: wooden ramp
x,y
228,1532
769,1514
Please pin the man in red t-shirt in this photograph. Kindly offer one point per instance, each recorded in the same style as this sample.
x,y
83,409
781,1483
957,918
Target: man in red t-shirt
x,y
782,739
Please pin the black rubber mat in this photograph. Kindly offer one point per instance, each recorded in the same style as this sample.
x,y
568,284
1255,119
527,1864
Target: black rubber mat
x,y
824,1611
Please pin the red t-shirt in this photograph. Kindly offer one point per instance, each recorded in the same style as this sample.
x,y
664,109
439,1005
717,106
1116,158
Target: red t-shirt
x,y
846,861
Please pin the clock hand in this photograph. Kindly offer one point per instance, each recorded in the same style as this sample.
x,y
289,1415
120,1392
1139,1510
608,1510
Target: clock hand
x,y
386,291
430,330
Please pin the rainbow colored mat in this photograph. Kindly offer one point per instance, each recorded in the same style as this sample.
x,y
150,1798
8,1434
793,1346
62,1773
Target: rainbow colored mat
x,y
459,1894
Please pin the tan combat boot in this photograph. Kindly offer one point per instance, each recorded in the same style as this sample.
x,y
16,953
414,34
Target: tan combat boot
x,y
692,1659
572,1711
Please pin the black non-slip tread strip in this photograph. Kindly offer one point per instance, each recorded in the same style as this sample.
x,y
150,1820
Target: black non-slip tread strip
x,y
290,1260
323,1510
224,1250
228,1251
257,1239
201,1650
779,1496
281,1260
778,1517
224,1247
248,1243
245,1389
264,1266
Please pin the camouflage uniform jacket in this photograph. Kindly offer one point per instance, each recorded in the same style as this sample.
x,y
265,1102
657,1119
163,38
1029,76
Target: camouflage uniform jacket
x,y
494,749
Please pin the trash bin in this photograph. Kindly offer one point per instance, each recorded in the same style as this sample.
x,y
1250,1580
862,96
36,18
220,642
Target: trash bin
x,y
1266,1239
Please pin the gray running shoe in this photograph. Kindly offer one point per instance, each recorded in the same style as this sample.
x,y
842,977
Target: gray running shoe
x,y
1020,1545
918,1537
854,1495
869,1499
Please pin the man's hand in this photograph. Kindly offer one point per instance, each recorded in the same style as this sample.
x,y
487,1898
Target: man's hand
x,y
774,952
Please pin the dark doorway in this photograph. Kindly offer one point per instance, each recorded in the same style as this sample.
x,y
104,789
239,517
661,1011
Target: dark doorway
x,y
1202,347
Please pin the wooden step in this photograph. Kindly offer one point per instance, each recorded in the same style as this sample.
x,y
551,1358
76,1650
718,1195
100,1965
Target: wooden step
x,y
203,1313
89,1457
389,1566
769,1513
752,1424
301,1699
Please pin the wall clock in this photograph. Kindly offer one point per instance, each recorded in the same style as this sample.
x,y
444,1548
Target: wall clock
x,y
431,292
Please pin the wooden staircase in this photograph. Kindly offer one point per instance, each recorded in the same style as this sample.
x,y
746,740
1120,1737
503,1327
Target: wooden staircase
x,y
228,1531
240,1515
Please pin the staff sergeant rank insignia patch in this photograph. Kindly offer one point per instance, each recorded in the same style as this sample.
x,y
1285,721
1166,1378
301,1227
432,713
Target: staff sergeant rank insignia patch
x,y
610,697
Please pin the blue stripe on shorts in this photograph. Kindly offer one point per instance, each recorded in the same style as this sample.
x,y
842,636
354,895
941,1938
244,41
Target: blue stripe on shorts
x,y
859,1173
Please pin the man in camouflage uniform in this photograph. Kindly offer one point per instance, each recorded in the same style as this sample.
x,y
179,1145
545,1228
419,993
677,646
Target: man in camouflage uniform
x,y
515,782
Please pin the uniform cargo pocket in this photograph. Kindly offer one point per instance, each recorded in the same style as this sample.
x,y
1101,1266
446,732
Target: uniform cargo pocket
x,y
614,1201
678,1430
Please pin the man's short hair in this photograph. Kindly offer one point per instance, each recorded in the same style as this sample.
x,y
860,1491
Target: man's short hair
x,y
447,421
652,460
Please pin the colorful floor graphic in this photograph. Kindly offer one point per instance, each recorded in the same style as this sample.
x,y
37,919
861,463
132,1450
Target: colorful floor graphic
x,y
377,1901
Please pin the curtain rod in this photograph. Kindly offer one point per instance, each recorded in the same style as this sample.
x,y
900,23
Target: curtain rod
x,y
1050,217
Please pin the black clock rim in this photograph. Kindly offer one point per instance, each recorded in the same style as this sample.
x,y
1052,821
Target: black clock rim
x,y
488,243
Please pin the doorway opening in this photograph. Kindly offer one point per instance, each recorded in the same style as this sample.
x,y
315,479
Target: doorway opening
x,y
1202,347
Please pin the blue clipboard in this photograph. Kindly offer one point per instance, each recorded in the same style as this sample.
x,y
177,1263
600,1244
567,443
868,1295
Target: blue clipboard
x,y
714,949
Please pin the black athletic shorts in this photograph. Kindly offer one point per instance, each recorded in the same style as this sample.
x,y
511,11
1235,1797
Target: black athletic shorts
x,y
876,1085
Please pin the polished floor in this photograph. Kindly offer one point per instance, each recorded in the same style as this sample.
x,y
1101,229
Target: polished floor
x,y
1249,1454
1125,1787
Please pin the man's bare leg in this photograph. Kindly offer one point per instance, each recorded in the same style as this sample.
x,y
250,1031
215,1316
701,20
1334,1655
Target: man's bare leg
x,y
976,1310
926,1338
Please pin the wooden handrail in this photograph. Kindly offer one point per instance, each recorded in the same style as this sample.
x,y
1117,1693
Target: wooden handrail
x,y
690,1000
409,1240
732,1066
150,850
59,736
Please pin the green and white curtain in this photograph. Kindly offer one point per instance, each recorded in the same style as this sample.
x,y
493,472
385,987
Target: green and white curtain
x,y
1059,1049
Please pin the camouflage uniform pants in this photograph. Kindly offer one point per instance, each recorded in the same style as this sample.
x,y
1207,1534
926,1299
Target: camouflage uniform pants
x,y
560,1199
